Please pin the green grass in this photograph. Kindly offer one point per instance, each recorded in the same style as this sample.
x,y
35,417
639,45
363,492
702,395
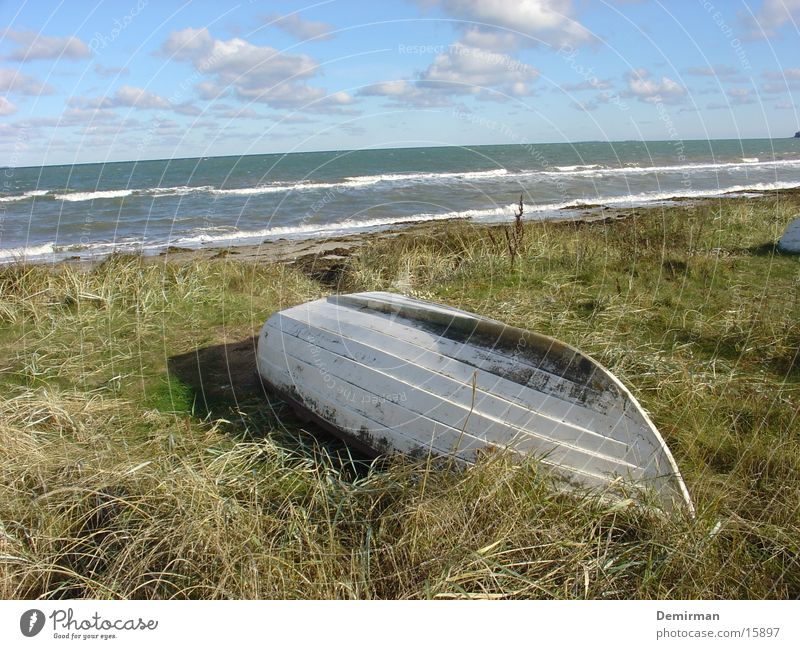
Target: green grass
x,y
140,458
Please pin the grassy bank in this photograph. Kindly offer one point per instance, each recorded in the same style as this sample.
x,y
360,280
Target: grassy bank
x,y
140,458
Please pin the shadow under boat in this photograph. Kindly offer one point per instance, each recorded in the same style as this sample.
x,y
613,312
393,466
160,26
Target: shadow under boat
x,y
225,385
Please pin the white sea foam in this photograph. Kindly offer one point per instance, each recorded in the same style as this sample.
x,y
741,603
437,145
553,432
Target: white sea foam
x,y
285,187
633,170
579,167
90,196
180,190
311,230
23,197
353,182
51,251
8,255
655,197
251,191
411,177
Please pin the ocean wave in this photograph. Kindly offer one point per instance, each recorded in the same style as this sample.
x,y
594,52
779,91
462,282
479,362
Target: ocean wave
x,y
229,235
153,192
287,187
311,230
23,197
411,177
22,254
211,236
635,170
655,197
251,191
52,251
352,182
407,179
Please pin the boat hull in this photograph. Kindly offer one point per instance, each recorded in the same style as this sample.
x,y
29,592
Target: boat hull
x,y
394,374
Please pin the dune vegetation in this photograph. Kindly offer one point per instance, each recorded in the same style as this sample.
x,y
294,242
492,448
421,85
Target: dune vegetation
x,y
140,458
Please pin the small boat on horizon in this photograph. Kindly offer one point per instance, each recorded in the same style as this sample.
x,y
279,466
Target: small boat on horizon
x,y
394,374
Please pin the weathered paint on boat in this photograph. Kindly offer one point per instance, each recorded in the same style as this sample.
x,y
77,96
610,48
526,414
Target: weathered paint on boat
x,y
397,374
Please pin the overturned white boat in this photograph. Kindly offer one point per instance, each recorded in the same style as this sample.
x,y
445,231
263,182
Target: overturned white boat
x,y
395,374
790,240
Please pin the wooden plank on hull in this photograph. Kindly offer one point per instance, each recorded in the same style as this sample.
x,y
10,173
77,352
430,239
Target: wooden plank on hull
x,y
460,364
492,360
361,426
428,406
403,375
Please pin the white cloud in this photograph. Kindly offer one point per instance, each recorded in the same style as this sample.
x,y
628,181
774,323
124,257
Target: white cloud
x,y
403,92
490,39
652,91
281,96
735,97
461,70
781,81
464,69
478,64
39,46
187,108
522,23
297,95
254,72
772,15
293,119
14,81
78,116
207,90
238,62
240,113
300,28
396,88
188,44
135,97
6,107
791,74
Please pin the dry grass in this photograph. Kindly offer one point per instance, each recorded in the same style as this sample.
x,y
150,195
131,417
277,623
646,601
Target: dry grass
x,y
125,475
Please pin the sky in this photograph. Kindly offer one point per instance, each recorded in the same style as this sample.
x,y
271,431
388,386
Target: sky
x,y
145,79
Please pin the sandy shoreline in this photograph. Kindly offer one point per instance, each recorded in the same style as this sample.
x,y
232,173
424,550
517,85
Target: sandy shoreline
x,y
331,250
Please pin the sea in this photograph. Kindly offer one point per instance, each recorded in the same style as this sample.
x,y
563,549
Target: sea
x,y
92,210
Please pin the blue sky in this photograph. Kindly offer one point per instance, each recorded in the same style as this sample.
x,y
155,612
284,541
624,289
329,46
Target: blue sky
x,y
140,79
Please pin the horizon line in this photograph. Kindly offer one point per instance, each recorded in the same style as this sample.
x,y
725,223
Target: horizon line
x,y
441,146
